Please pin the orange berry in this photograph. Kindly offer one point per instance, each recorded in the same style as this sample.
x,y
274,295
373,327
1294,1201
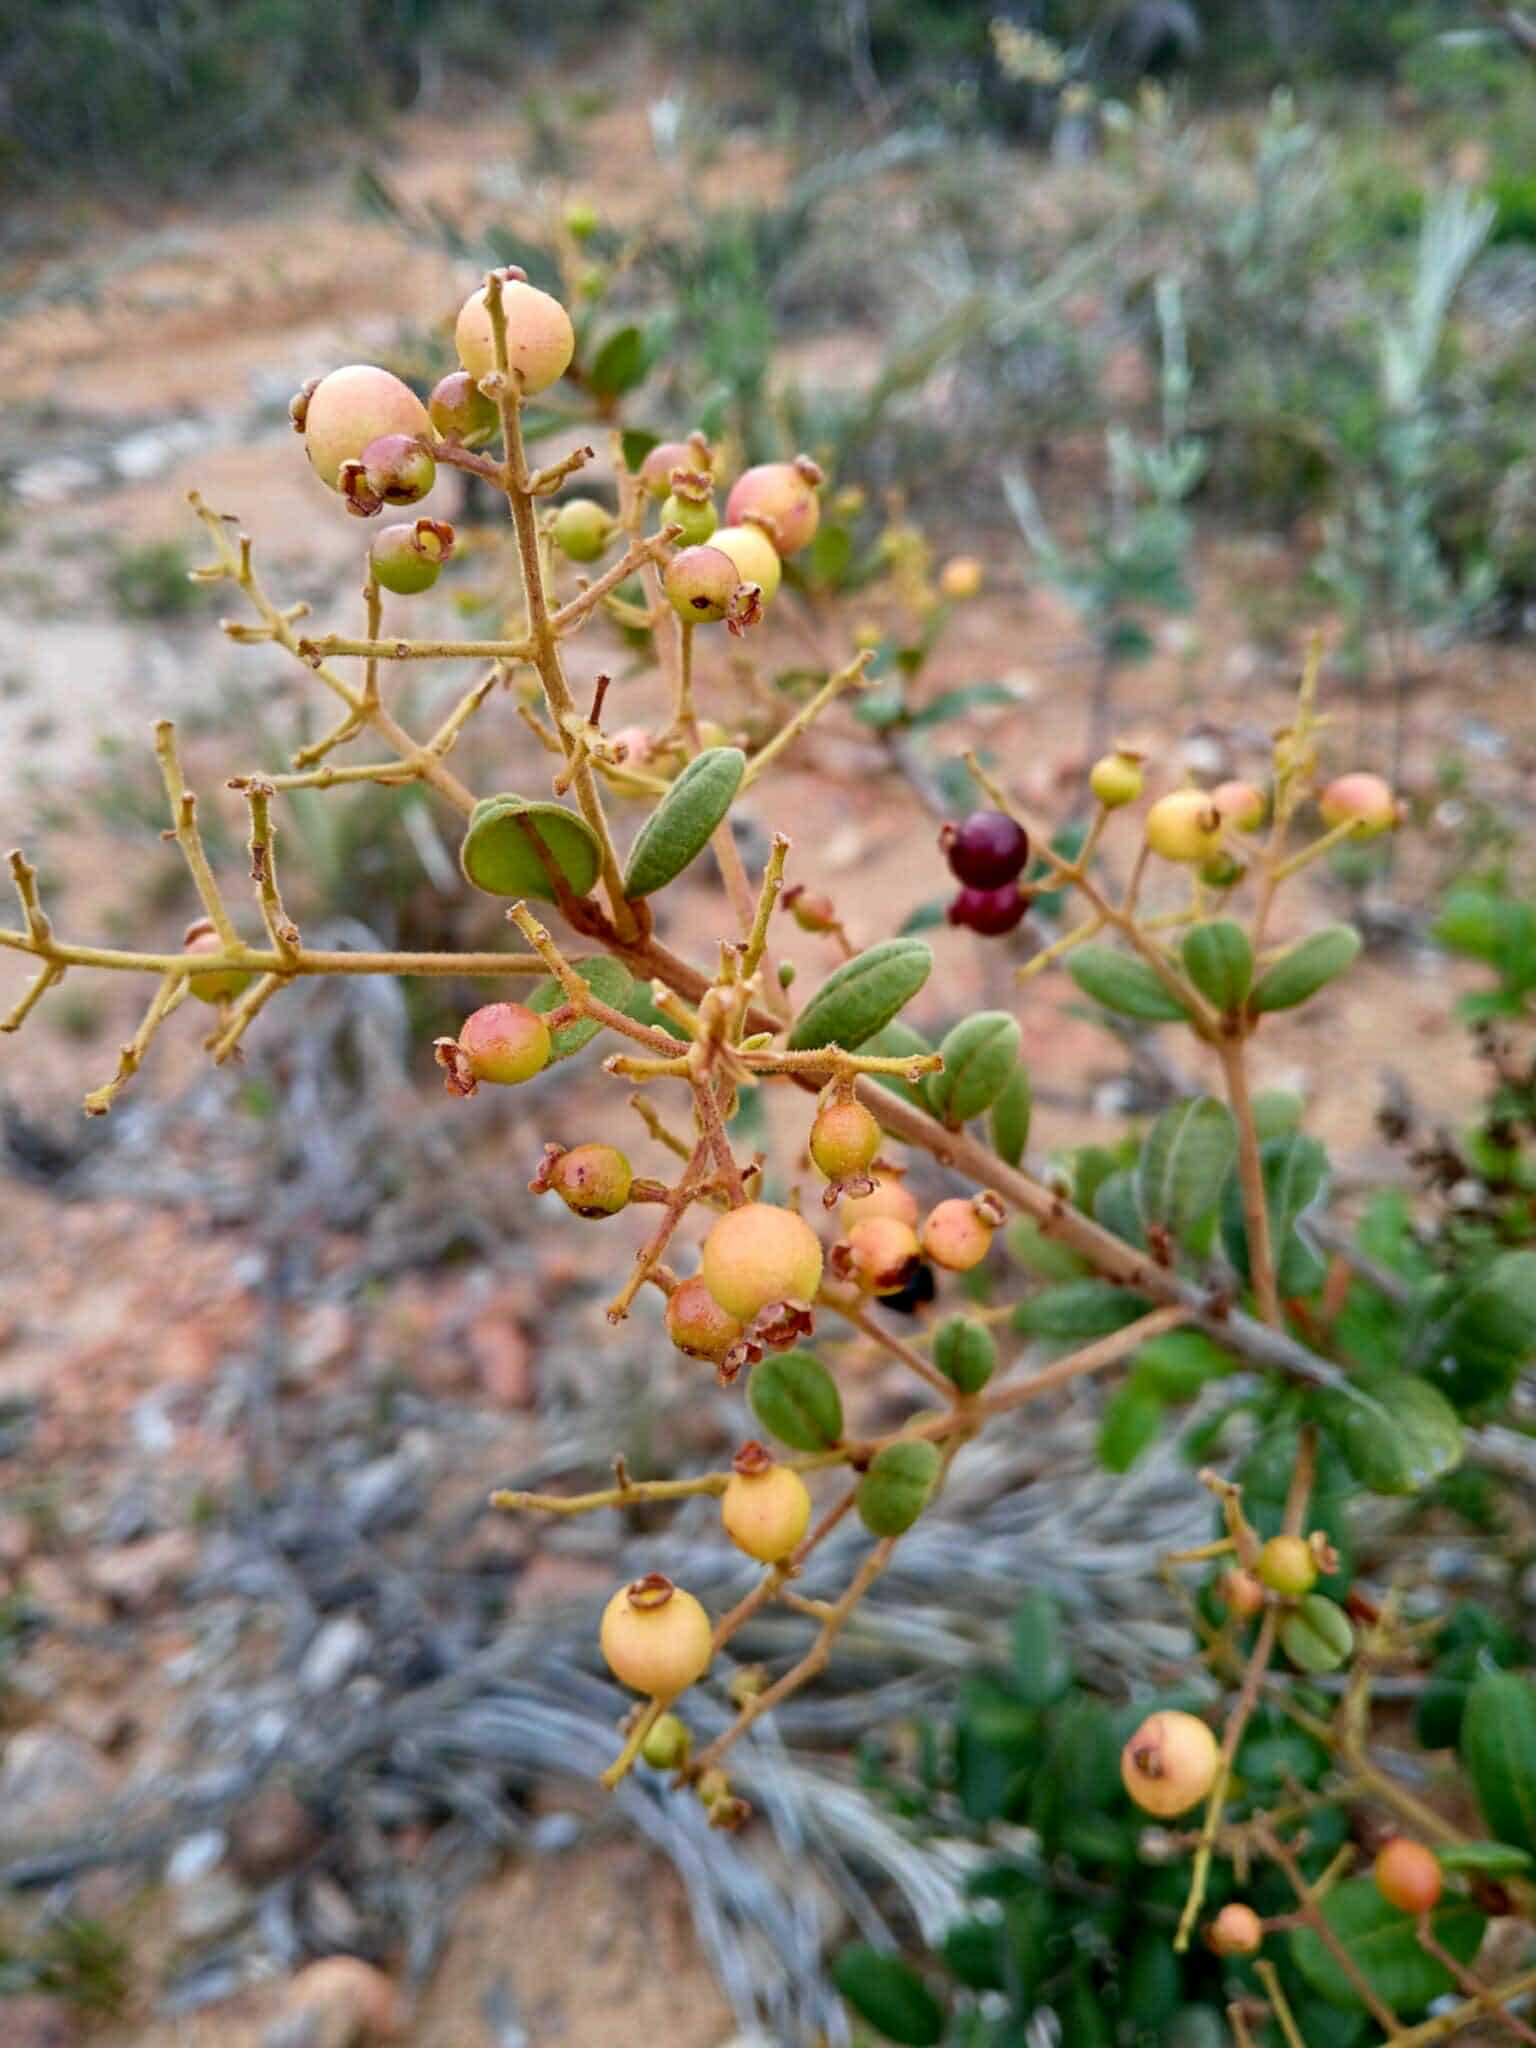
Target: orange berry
x,y
1236,1931
1170,1763
765,1507
656,1638
891,1197
960,578
540,338
956,1236
883,1253
1241,1594
697,1324
1408,1876
760,1254
1362,797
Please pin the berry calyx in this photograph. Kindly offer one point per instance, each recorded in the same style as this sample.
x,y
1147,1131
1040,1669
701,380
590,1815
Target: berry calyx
x,y
406,558
591,1180
1236,1931
781,497
1240,805
667,1745
701,584
880,1254
890,1196
540,338
765,1508
655,1638
755,556
760,1255
460,410
986,849
347,411
1241,1594
1116,779
219,985
1170,1763
844,1140
960,579
1408,1876
1361,799
582,529
698,1325
957,1234
988,912
1287,1566
503,1043
1184,826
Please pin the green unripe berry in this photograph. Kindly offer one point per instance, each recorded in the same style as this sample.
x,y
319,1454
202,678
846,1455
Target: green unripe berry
x,y
349,410
460,410
581,219
505,1043
406,559
591,1180
964,1351
696,516
667,1746
844,1140
540,338
1286,1565
782,496
701,584
220,985
897,1486
1116,779
759,1255
582,529
756,558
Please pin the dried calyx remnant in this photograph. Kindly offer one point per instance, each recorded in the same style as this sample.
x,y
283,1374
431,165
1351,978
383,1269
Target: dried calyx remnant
x,y
658,563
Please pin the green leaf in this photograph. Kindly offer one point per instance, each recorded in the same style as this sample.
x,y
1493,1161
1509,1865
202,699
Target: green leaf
x,y
1042,1664
1277,1112
897,1486
964,1351
621,363
1475,1347
501,851
981,1055
1116,1207
892,1041
1381,1943
1078,1308
1047,1258
636,443
1399,1433
1184,1162
1179,1363
862,996
1132,1417
1295,1173
682,824
889,1995
973,1953
830,555
1008,1124
1316,1635
795,1398
1219,960
1154,1981
608,980
1498,1748
1487,1859
1123,984
1303,969
956,703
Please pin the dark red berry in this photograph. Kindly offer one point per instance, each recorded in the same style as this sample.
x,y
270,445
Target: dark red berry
x,y
986,849
988,911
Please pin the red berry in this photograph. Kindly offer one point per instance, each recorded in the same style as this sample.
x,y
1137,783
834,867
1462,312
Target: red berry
x,y
986,849
991,912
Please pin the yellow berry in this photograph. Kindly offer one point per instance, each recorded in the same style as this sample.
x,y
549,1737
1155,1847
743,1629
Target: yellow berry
x,y
765,1508
756,558
1184,826
1116,779
1287,1566
844,1139
592,1180
540,338
883,1254
960,578
222,984
1170,1763
656,1638
890,1197
759,1254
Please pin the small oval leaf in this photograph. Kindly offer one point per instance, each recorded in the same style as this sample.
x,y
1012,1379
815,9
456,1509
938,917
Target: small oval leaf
x,y
964,1351
1399,1433
1316,1635
889,1995
1381,1943
685,820
1498,1747
1123,984
862,996
1488,1859
1219,960
608,979
1008,1124
1295,1170
896,1488
795,1398
501,851
1078,1308
981,1056
1305,968
1475,1347
1184,1163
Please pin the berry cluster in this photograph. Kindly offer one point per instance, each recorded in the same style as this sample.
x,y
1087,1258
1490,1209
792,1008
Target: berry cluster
x,y
987,853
